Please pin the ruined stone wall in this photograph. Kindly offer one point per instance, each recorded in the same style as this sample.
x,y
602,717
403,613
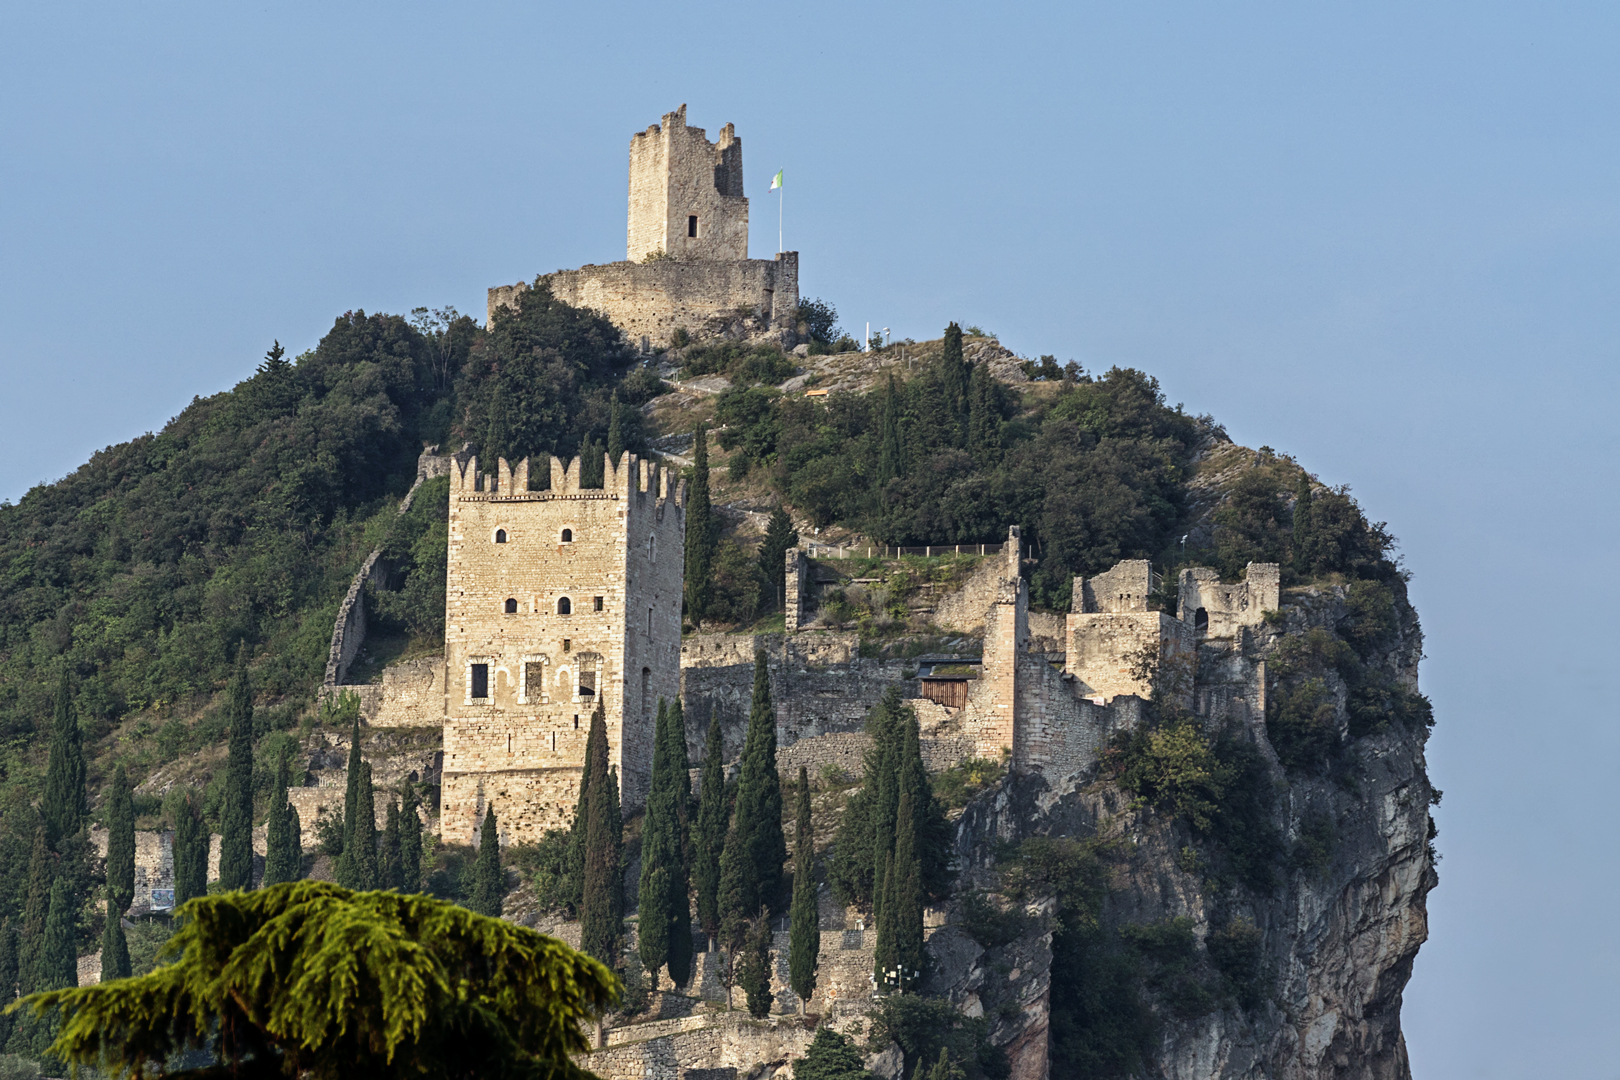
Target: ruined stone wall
x,y
1059,732
154,864
350,632
676,173
614,554
1047,632
413,695
1104,648
1124,588
1229,607
653,300
794,591
964,609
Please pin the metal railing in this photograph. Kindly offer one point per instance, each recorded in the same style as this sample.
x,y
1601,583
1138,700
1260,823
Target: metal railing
x,y
873,551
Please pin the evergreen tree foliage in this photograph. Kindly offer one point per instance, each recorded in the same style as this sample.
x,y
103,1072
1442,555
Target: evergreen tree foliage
x,y
1303,554
954,374
351,804
884,920
572,889
805,945
283,842
114,949
120,843
751,862
310,979
390,874
410,845
831,1056
236,815
891,444
41,876
58,958
680,766
893,764
780,535
65,804
754,968
489,880
9,976
709,836
615,439
362,849
665,919
905,896
602,899
191,843
702,531
984,417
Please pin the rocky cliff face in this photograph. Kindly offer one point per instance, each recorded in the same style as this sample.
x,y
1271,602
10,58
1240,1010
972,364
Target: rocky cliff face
x,y
1330,939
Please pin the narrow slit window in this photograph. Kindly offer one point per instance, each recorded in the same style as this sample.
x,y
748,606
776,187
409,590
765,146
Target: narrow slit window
x,y
691,225
480,680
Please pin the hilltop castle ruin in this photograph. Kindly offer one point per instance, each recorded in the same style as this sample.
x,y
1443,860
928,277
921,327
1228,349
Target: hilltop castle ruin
x,y
686,252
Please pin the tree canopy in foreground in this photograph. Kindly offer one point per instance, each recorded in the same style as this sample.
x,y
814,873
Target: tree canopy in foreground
x,y
310,978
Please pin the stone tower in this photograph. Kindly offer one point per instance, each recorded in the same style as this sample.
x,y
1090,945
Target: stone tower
x,y
556,600
686,193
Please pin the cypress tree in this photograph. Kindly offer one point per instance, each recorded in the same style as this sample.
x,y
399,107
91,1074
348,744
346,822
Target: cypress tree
x,y
751,862
389,873
805,946
680,764
114,949
660,854
58,959
701,531
905,896
410,845
65,805
489,880
883,918
754,973
780,535
891,447
1304,531
9,961
345,871
931,830
120,843
615,443
709,836
984,419
190,853
602,895
954,376
363,865
497,428
236,814
573,886
680,885
283,857
41,876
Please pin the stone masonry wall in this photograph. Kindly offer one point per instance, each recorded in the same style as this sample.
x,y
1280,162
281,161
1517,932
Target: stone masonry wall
x,y
1104,648
552,592
676,174
350,632
1229,607
794,591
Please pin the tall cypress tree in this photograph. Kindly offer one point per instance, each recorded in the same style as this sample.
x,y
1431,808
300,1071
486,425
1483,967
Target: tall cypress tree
x,y
954,374
120,843
65,804
9,961
602,899
680,886
36,906
497,428
905,895
1304,526
984,418
390,875
751,862
489,880
660,843
883,919
805,946
283,854
410,845
701,531
236,814
615,443
114,949
345,871
754,973
891,445
573,886
363,865
58,959
680,764
709,836
190,853
780,535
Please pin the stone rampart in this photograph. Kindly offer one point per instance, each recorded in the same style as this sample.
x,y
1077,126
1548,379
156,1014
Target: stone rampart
x,y
963,610
1106,651
1217,610
795,590
350,632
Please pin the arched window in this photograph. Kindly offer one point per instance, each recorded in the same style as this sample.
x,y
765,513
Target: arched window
x,y
565,606
511,606
1201,620
500,536
568,536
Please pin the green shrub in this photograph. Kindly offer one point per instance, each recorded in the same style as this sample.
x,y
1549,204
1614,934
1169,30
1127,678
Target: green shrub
x,y
1171,765
958,784
1238,952
1170,950
543,865
1302,724
1313,847
987,924
922,1027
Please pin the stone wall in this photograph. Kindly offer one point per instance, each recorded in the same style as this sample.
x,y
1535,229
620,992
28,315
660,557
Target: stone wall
x,y
964,609
350,632
566,599
1104,648
795,591
1229,607
1124,588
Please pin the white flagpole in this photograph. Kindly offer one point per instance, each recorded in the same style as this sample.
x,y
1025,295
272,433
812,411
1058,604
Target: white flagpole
x,y
779,218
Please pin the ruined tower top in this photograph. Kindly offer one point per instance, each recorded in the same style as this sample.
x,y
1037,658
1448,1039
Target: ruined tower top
x,y
686,193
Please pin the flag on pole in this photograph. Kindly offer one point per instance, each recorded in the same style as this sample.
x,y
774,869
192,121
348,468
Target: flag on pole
x,y
776,181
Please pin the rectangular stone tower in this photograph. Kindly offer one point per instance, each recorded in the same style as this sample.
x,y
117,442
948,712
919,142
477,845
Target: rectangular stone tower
x,y
686,193
555,601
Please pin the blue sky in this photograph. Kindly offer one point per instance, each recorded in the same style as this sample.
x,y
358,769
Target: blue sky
x,y
1382,237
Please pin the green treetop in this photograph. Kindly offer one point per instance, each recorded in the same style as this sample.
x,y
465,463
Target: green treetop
x,y
283,847
780,535
751,862
709,836
120,843
602,895
489,880
805,945
65,804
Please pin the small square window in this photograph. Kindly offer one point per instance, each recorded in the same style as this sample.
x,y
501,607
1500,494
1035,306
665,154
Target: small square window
x,y
596,603
691,225
480,680
567,644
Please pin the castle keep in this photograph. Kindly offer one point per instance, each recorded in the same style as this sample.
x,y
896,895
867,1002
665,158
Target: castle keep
x,y
686,253
557,602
